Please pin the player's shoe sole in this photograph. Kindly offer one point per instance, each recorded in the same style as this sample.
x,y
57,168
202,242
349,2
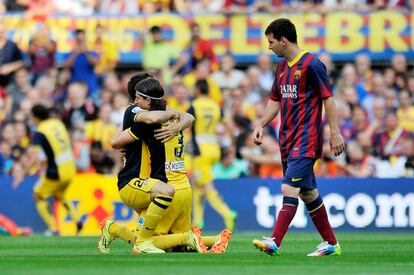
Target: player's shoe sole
x,y
222,241
196,241
266,246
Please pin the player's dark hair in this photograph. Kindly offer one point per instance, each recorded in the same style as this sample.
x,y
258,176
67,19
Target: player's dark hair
x,y
202,86
150,87
134,81
155,29
158,105
40,111
282,27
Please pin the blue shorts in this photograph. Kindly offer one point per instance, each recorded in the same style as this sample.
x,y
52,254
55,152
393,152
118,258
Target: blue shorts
x,y
298,172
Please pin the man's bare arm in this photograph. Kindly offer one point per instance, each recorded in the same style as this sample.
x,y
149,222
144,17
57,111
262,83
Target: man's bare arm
x,y
166,133
336,141
121,138
154,117
270,112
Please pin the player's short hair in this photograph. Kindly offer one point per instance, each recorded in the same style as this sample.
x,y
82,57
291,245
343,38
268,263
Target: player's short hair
x,y
155,29
202,86
282,27
150,87
135,79
40,112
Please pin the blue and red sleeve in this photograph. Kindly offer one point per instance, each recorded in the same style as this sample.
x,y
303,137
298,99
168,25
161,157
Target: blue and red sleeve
x,y
318,78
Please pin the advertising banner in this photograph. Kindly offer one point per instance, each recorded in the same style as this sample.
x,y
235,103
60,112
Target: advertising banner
x,y
343,34
352,204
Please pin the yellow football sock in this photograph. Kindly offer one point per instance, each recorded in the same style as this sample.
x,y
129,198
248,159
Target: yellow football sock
x,y
153,216
166,242
124,233
72,211
209,240
198,210
217,203
44,212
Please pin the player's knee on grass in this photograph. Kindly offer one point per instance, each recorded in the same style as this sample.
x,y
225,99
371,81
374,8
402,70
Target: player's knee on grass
x,y
161,188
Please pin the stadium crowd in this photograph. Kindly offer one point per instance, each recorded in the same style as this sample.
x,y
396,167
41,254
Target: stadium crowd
x,y
376,106
40,8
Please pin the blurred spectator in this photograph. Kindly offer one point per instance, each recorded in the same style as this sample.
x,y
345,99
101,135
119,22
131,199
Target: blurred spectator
x,y
388,143
180,98
377,90
364,72
408,148
17,91
349,78
120,102
405,112
100,160
359,164
266,158
230,167
81,62
75,7
6,158
264,64
239,6
11,59
78,109
165,6
399,63
202,72
41,50
101,129
81,151
410,86
328,166
391,101
112,83
158,54
108,54
38,10
16,5
118,7
227,77
207,6
197,50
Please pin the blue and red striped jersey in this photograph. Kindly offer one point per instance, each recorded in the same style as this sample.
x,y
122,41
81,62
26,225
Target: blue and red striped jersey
x,y
300,86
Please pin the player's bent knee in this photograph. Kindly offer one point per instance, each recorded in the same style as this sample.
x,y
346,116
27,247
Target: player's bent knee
x,y
37,197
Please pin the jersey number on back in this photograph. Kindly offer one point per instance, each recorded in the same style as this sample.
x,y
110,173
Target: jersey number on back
x,y
178,151
60,139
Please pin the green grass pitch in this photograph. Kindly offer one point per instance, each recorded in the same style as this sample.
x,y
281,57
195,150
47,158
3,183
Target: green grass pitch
x,y
363,253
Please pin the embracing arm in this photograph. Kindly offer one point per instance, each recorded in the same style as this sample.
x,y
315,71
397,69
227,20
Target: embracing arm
x,y
154,117
166,133
30,160
121,138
